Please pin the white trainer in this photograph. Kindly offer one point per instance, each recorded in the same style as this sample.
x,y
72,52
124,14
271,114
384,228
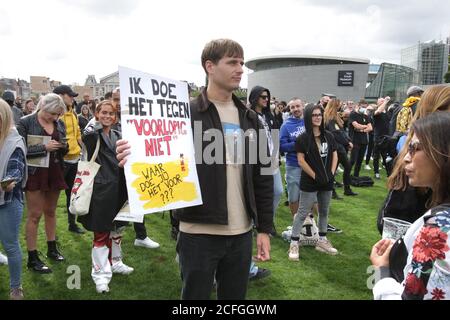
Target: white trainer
x,y
121,268
102,288
293,252
326,246
146,243
367,167
3,259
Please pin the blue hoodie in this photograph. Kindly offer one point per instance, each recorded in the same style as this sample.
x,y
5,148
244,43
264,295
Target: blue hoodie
x,y
290,130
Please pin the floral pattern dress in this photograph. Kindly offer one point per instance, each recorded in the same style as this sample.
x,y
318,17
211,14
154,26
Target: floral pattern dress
x,y
427,272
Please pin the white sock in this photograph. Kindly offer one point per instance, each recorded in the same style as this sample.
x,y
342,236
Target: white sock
x,y
294,242
323,238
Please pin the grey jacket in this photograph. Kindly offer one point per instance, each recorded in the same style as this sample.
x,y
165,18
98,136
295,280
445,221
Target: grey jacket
x,y
29,125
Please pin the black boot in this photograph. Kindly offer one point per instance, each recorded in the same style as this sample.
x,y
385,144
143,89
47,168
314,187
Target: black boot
x,y
35,264
53,252
349,192
335,196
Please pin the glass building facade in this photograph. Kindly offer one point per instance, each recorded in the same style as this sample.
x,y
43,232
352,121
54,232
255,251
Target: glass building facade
x,y
430,59
392,80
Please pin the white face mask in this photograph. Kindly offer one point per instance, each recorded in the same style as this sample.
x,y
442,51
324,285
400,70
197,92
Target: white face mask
x,y
362,110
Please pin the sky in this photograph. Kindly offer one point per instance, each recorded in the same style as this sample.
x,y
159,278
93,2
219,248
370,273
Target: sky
x,y
66,40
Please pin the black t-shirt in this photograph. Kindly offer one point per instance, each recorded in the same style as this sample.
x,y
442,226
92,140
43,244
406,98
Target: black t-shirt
x,y
357,136
328,146
380,124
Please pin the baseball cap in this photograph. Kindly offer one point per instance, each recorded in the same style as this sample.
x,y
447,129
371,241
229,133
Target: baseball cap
x,y
63,89
413,90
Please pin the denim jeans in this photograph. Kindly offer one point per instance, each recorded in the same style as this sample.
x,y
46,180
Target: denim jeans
x,y
277,191
307,199
203,257
10,218
293,183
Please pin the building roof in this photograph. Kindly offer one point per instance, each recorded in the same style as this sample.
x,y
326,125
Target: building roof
x,y
303,59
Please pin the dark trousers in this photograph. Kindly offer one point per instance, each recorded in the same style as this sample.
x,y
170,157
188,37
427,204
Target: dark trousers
x,y
377,152
344,161
205,257
357,157
370,147
70,171
141,231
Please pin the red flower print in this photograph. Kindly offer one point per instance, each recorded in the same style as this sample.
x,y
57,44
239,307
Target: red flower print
x,y
438,294
431,244
414,285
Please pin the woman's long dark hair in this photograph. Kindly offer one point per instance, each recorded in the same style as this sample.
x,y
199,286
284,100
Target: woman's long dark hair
x,y
432,132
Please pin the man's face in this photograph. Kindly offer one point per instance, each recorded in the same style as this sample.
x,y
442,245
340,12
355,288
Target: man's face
x,y
263,99
30,106
296,108
116,99
324,101
226,74
86,98
68,100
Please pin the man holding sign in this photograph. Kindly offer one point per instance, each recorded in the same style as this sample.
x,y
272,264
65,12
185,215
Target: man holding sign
x,y
215,239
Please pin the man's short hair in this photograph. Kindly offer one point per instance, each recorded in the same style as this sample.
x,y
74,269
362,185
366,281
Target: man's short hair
x,y
108,95
219,48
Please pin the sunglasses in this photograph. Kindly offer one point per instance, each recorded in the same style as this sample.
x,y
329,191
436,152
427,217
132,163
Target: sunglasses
x,y
264,97
413,147
316,115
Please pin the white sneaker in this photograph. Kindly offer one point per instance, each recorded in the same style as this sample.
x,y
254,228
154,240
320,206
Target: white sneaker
x,y
339,169
146,243
367,167
121,268
325,246
102,288
3,259
377,176
388,159
293,252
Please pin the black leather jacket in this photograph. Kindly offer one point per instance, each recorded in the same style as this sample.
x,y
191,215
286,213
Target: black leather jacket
x,y
29,125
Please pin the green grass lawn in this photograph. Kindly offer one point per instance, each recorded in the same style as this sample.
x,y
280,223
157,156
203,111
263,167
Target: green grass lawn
x,y
316,276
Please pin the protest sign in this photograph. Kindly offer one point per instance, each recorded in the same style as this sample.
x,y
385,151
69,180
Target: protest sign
x,y
155,116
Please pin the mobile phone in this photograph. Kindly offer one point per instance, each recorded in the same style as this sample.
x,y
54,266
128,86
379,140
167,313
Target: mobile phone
x,y
6,182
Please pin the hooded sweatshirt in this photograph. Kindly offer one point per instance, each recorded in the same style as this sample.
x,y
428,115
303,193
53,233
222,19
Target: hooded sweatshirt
x,y
320,161
290,130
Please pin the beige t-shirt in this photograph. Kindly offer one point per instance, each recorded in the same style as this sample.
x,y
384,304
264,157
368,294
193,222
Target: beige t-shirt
x,y
238,220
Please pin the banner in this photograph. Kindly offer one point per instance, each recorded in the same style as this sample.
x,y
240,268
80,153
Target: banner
x,y
155,116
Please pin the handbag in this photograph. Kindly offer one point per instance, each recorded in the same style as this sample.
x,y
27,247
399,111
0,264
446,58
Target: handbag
x,y
80,196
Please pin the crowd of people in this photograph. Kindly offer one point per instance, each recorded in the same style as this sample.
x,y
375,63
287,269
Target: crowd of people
x,y
317,141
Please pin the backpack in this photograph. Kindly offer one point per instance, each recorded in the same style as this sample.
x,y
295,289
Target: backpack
x,y
309,234
363,181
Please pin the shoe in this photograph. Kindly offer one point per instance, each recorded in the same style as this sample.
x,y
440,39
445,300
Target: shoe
x,y
293,252
388,159
325,246
333,229
262,273
3,259
349,192
121,268
335,196
338,184
102,288
53,252
146,243
377,176
16,294
286,235
76,229
340,170
35,264
367,167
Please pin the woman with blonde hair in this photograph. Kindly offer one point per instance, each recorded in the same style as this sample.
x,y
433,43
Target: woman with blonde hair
x,y
13,175
406,202
44,184
335,124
